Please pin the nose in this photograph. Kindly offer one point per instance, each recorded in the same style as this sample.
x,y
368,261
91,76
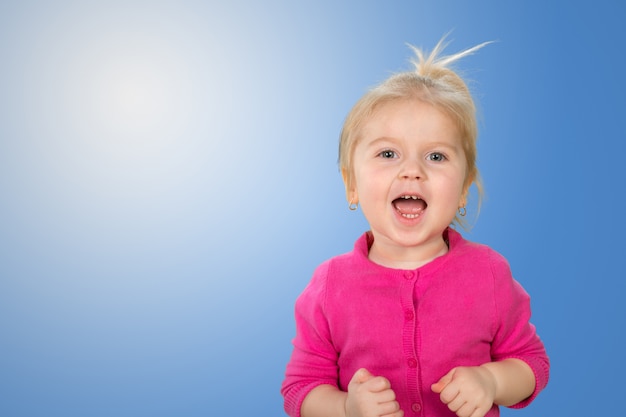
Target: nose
x,y
412,169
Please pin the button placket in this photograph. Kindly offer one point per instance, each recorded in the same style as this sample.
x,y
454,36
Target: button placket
x,y
409,315
409,338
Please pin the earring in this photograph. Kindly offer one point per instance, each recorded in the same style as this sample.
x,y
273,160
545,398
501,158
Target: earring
x,y
353,206
462,211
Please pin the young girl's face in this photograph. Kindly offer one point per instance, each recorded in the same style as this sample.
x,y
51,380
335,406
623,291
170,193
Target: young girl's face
x,y
409,174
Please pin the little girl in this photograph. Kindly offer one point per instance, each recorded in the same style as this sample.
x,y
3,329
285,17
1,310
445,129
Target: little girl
x,y
416,320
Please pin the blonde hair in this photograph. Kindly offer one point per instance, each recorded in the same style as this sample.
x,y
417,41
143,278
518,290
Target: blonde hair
x,y
432,82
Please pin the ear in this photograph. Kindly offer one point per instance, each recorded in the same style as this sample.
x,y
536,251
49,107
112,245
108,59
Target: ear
x,y
466,187
463,199
348,182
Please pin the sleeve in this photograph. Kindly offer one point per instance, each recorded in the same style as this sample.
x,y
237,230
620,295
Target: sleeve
x,y
314,359
515,336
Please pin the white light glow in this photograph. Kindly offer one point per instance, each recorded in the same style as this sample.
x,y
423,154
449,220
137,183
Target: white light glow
x,y
128,95
132,96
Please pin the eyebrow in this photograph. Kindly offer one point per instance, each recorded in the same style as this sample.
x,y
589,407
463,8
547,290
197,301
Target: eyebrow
x,y
376,141
436,144
455,147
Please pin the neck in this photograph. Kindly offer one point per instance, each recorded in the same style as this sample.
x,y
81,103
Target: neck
x,y
406,257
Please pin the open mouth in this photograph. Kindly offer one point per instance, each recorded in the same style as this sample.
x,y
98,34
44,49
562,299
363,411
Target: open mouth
x,y
409,206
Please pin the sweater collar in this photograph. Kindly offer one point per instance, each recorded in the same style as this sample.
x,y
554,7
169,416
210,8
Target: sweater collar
x,y
454,239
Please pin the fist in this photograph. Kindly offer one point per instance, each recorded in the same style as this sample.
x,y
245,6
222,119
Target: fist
x,y
371,396
467,391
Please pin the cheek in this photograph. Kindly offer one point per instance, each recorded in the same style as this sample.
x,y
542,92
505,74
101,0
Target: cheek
x,y
451,190
366,181
372,198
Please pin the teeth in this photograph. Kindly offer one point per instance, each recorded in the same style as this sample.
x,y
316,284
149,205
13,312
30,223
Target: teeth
x,y
408,197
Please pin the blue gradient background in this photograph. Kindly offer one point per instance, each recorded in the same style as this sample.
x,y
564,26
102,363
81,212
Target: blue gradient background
x,y
168,182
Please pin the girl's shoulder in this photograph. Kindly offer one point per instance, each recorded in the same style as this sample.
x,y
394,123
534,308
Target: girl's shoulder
x,y
479,261
332,277
476,252
356,258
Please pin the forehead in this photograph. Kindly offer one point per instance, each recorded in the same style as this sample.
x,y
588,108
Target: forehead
x,y
409,119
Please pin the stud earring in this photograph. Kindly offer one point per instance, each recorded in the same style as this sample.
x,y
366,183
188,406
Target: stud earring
x,y
462,211
353,206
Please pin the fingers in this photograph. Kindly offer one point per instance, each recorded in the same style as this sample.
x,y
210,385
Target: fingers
x,y
398,413
370,382
455,402
463,393
440,385
387,395
362,375
463,408
450,393
388,409
371,395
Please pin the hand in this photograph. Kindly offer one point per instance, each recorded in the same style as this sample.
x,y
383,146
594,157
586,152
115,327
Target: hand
x,y
371,396
468,391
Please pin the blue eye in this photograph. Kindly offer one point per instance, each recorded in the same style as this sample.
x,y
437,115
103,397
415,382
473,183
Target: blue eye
x,y
436,157
387,154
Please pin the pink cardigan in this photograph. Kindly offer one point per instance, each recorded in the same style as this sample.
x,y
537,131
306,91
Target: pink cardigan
x,y
411,326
